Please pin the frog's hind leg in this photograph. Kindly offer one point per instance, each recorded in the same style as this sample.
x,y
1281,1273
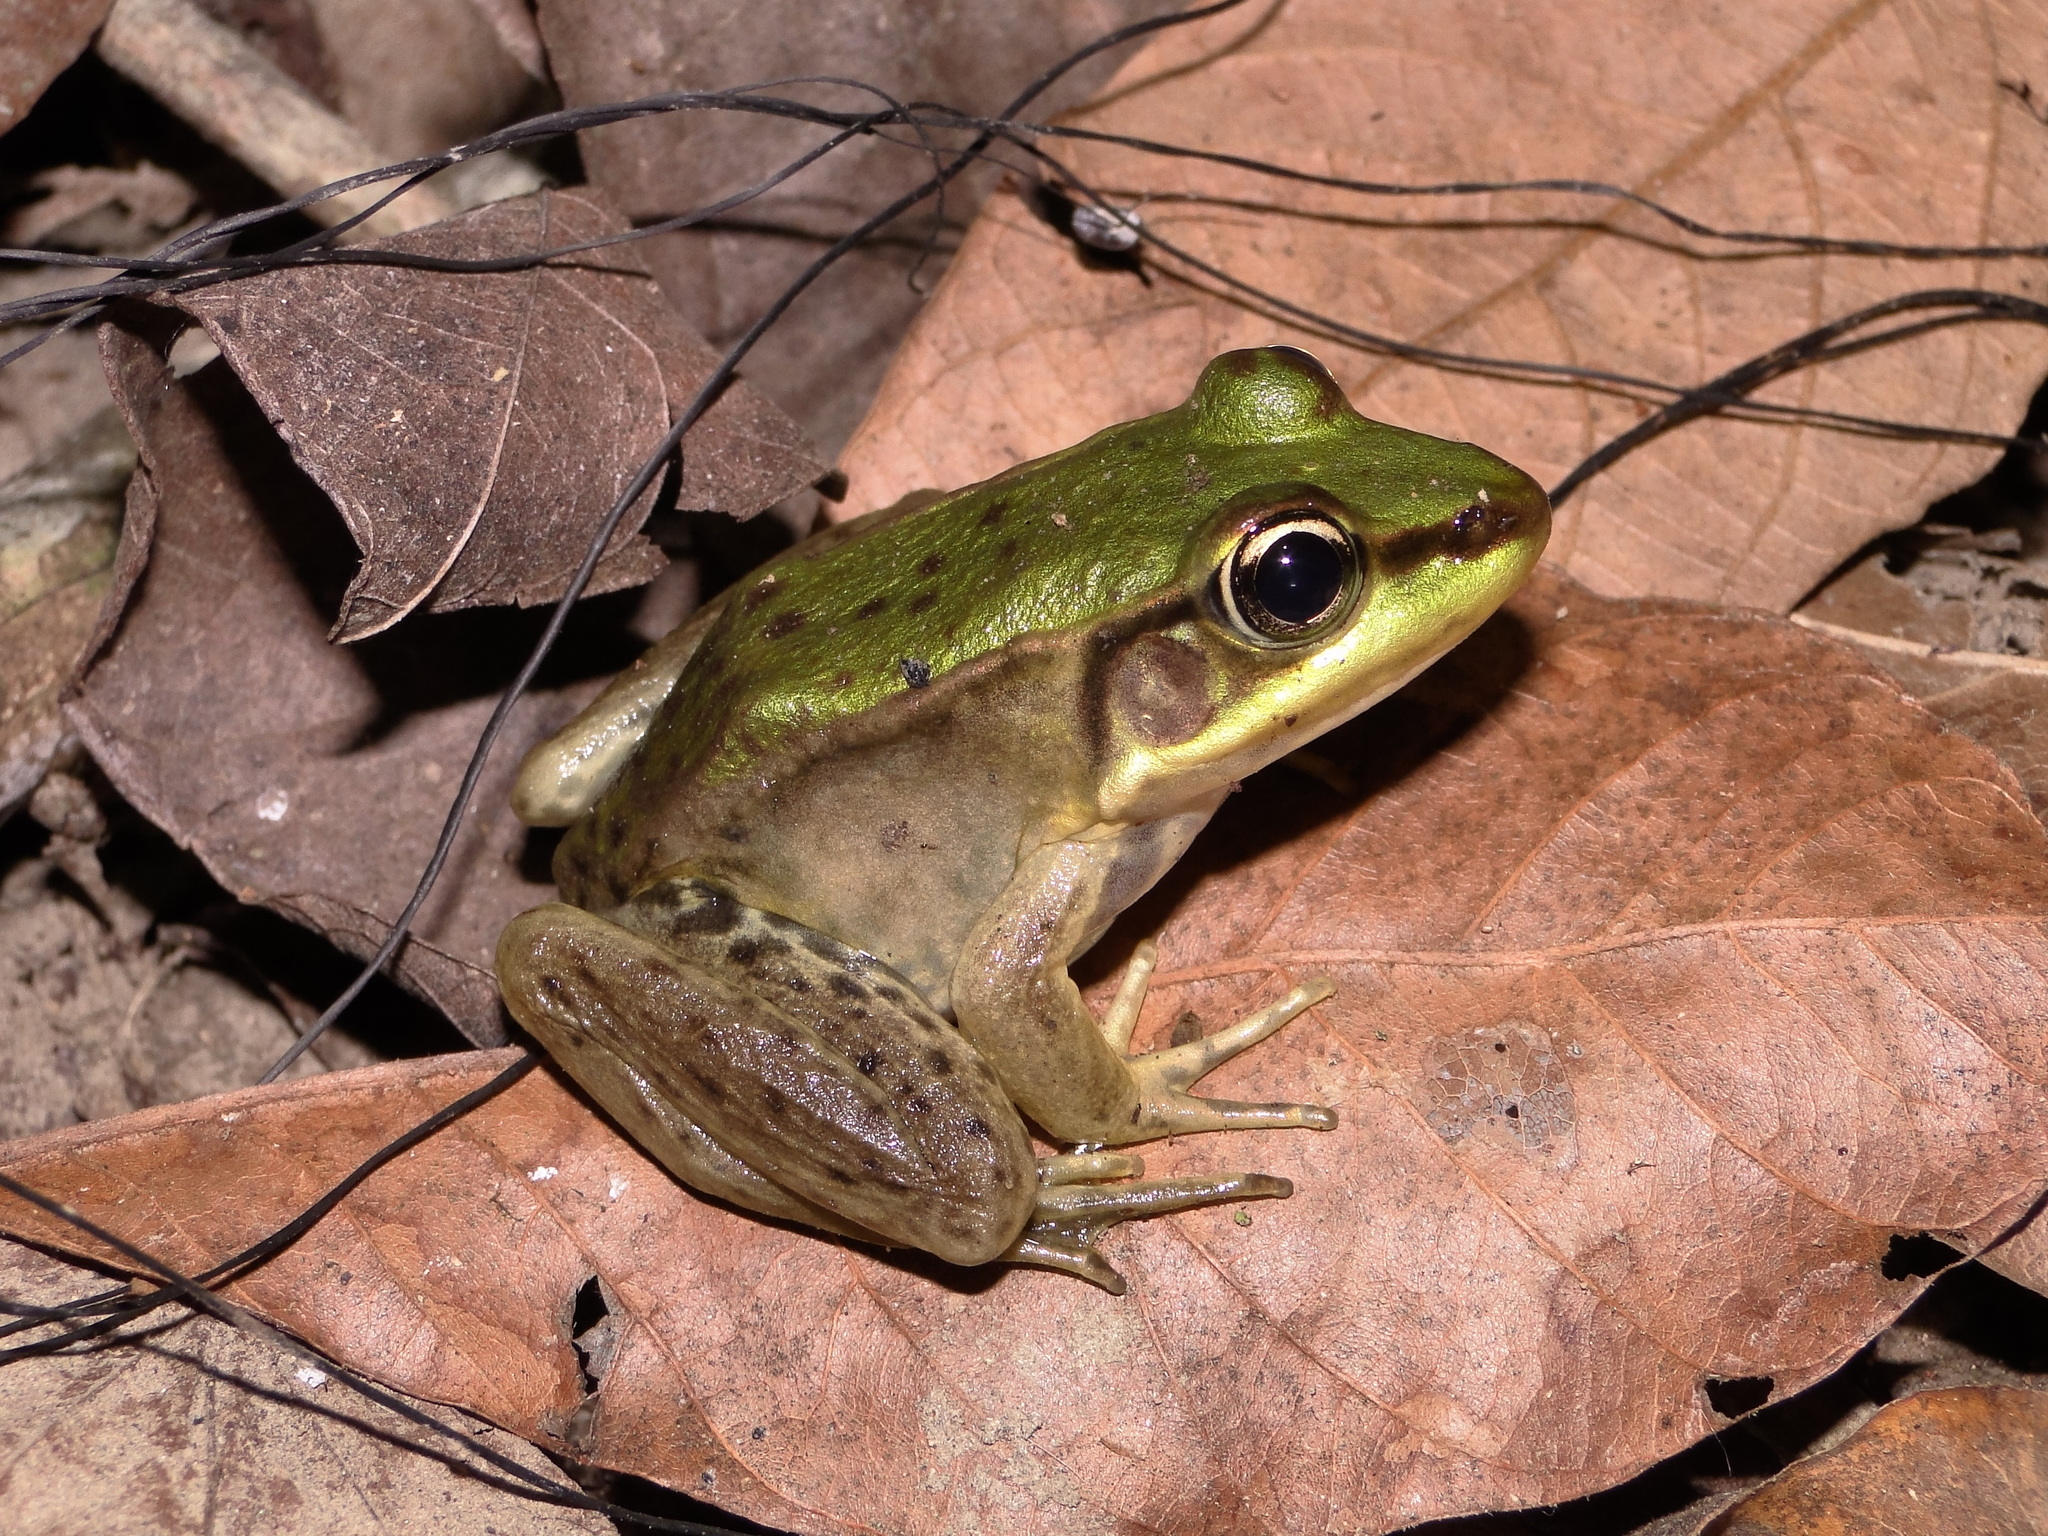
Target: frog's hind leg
x,y
1074,1210
768,1064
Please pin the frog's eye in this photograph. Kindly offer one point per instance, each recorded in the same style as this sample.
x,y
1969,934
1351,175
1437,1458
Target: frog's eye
x,y
1287,577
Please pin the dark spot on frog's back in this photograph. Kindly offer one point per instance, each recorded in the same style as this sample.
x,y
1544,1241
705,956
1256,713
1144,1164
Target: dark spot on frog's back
x,y
923,601
931,565
871,607
941,1063
784,624
994,514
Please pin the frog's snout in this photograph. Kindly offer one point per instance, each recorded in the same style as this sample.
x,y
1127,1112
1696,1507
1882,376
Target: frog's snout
x,y
1515,513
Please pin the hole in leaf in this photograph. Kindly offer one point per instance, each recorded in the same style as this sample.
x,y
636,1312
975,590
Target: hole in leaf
x,y
590,1309
1733,1396
1916,1257
590,1312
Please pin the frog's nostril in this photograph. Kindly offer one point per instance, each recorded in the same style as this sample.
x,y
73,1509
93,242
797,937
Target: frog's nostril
x,y
1482,526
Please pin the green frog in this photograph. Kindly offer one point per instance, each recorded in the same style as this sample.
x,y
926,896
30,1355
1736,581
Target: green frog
x,y
834,843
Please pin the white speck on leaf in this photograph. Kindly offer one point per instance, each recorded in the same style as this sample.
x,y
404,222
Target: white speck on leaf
x,y
542,1174
272,804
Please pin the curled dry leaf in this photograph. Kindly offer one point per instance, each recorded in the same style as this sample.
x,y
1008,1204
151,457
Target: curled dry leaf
x,y
1880,120
826,360
474,429
1958,1459
193,1429
1692,968
43,37
308,778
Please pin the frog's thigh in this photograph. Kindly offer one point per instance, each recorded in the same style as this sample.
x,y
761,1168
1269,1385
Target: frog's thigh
x,y
741,1048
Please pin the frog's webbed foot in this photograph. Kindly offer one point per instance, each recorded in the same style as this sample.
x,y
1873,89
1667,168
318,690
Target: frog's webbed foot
x,y
1164,1076
1074,1209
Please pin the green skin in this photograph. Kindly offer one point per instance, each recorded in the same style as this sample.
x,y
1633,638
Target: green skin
x,y
834,843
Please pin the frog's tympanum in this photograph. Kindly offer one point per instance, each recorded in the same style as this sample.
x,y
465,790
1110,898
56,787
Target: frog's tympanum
x,y
834,842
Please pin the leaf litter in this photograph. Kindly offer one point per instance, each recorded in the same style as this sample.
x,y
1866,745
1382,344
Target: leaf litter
x,y
1868,120
1649,1086
187,1426
1955,1459
1461,1094
304,775
824,363
435,408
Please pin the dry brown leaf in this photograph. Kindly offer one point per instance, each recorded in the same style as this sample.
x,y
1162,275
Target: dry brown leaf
x,y
1936,1463
2022,1256
1691,969
308,778
2001,701
474,429
43,37
823,363
194,1428
1875,118
99,208
53,391
420,76
59,523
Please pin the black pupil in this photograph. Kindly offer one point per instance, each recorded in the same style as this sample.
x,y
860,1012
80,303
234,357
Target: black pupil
x,y
1299,576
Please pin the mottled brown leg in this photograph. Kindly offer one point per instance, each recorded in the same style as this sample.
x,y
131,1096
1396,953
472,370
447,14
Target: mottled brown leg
x,y
825,1078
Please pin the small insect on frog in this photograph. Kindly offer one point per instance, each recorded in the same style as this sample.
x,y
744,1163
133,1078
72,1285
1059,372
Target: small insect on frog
x,y
834,842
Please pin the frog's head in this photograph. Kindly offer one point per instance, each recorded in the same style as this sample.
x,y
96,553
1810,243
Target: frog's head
x,y
1334,559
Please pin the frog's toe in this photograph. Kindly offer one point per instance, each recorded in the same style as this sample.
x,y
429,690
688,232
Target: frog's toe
x,y
1163,1077
1070,1217
1086,1167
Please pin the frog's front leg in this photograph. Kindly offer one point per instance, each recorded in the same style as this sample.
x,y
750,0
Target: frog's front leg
x,y
1015,1001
